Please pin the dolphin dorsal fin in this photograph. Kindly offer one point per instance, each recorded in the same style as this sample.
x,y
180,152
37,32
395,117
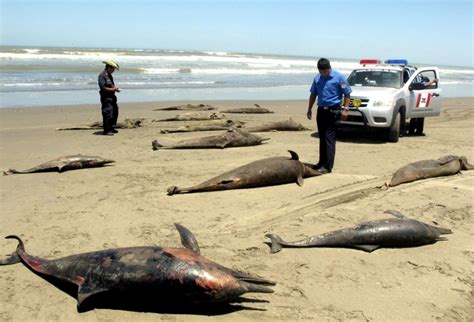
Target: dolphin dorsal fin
x,y
187,239
395,213
294,155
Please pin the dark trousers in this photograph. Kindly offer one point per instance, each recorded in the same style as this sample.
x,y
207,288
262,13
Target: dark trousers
x,y
109,114
326,121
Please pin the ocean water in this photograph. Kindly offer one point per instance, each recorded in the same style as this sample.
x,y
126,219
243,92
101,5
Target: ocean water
x,y
66,76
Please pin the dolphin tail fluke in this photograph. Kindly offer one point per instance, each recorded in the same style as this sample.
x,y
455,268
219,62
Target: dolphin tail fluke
x,y
276,241
156,145
173,190
10,171
465,165
14,258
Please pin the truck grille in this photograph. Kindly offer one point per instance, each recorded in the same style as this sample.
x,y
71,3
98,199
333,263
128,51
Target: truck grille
x,y
355,119
364,102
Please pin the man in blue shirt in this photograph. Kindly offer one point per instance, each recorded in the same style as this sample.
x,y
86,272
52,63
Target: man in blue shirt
x,y
108,99
330,87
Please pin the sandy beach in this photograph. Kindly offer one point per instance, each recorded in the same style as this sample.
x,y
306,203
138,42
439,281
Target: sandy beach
x,y
126,204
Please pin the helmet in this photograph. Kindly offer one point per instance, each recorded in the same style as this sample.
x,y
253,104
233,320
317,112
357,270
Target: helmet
x,y
112,63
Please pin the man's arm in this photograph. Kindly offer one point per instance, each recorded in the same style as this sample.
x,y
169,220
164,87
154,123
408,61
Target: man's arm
x,y
312,99
345,107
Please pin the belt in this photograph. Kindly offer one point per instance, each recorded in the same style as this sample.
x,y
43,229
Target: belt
x,y
329,107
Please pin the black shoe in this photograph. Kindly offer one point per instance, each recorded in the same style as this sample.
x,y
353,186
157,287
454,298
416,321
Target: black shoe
x,y
316,166
323,170
107,133
114,131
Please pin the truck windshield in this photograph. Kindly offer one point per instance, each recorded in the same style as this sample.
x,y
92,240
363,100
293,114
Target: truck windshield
x,y
375,78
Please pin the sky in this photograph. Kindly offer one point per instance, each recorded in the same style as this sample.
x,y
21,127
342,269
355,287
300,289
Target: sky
x,y
423,31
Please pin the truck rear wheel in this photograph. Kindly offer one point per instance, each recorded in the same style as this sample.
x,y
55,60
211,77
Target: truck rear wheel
x,y
394,130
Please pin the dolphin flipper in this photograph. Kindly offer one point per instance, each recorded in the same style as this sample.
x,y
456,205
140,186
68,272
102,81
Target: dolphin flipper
x,y
366,248
395,213
300,181
187,239
85,291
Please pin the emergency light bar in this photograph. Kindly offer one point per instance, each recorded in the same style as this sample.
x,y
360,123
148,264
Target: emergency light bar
x,y
369,61
396,61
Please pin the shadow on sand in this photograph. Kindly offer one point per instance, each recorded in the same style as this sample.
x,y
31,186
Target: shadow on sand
x,y
151,301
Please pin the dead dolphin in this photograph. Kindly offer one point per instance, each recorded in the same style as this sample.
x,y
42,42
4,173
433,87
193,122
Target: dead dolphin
x,y
187,107
61,164
368,236
265,172
287,125
216,125
444,166
249,110
231,138
126,124
192,117
180,272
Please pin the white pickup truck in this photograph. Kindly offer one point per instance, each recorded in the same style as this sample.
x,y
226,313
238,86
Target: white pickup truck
x,y
386,95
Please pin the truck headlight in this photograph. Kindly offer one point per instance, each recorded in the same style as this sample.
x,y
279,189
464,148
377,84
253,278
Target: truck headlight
x,y
382,102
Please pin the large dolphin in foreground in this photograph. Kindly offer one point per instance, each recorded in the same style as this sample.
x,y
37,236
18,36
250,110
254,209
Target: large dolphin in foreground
x,y
265,172
231,138
181,274
61,164
444,166
368,236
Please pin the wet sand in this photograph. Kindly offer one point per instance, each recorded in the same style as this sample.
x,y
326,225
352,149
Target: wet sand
x,y
126,205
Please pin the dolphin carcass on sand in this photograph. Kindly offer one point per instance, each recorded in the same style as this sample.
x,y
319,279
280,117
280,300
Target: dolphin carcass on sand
x,y
192,117
368,236
61,164
231,138
286,125
187,107
444,166
265,172
178,274
213,125
126,124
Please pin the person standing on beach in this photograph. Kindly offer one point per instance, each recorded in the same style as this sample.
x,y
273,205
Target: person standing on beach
x,y
108,98
329,87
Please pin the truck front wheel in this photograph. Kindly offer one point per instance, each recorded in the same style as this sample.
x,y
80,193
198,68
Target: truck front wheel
x,y
394,130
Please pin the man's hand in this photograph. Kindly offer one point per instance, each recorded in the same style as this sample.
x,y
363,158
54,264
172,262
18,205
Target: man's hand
x,y
117,89
309,114
344,114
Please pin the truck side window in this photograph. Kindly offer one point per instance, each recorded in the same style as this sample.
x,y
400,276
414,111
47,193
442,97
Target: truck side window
x,y
406,76
427,78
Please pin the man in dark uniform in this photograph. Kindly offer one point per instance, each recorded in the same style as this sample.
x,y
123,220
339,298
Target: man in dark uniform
x,y
328,86
108,98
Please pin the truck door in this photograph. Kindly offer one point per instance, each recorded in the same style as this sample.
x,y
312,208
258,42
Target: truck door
x,y
424,93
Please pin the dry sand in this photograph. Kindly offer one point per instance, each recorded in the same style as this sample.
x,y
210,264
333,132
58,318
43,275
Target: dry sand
x,y
126,205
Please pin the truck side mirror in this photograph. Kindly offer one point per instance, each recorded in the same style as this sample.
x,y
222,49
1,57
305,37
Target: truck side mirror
x,y
416,86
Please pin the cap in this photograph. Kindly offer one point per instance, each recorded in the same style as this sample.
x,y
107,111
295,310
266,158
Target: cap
x,y
111,63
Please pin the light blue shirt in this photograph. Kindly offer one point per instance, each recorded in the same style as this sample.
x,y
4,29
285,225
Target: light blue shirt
x,y
329,90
